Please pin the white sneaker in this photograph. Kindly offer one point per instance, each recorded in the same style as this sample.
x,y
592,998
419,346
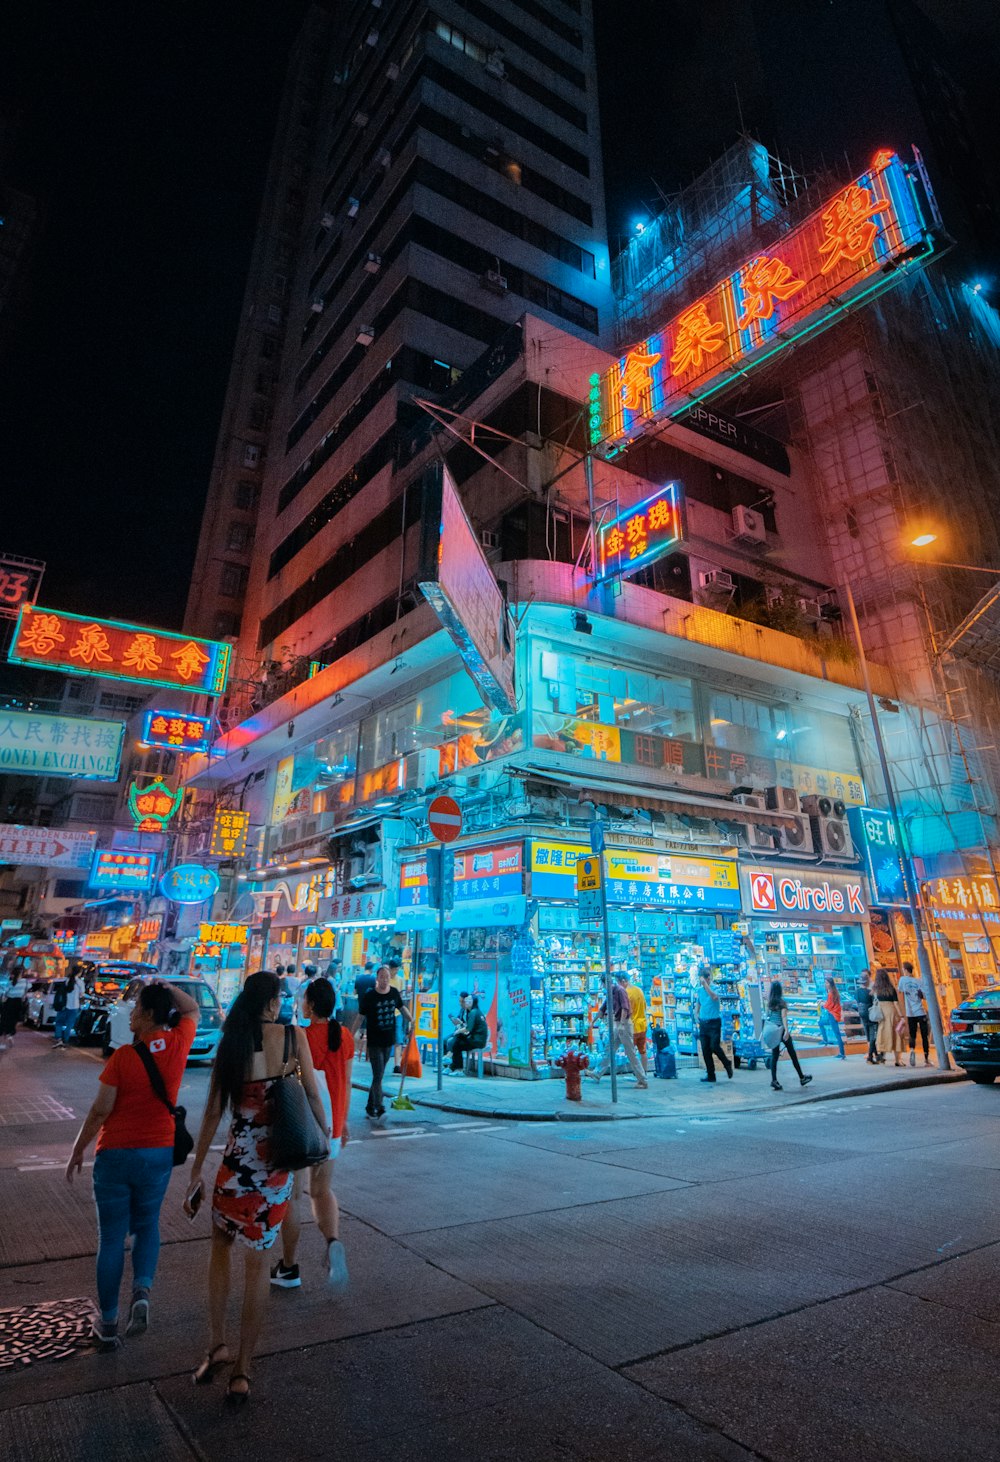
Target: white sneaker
x,y
336,1262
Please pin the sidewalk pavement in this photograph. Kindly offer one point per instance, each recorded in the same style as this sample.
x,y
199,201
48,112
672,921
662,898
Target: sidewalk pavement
x,y
545,1101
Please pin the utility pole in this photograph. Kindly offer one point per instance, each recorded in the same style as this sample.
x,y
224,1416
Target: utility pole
x,y
912,897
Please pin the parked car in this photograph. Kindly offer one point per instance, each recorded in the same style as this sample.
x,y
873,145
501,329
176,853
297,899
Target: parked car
x,y
210,1016
106,983
975,1035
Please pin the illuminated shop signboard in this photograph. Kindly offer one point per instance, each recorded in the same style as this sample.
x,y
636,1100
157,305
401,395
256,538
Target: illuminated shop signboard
x,y
223,933
153,806
858,244
641,534
46,847
79,645
875,832
176,731
486,873
60,746
20,581
639,877
189,883
457,581
230,826
833,898
122,870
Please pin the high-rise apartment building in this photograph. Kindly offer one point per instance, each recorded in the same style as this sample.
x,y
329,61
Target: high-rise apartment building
x,y
454,182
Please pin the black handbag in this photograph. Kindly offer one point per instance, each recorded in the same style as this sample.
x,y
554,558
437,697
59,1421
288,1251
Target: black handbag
x,y
183,1141
297,1139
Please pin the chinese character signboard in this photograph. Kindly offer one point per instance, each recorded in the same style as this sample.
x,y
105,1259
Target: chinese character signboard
x,y
875,831
230,826
457,581
60,746
964,899
81,646
122,870
488,873
639,877
176,730
640,535
20,581
46,847
189,883
223,933
856,245
152,806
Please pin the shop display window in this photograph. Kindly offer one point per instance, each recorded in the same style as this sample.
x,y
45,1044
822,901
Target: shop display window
x,y
802,959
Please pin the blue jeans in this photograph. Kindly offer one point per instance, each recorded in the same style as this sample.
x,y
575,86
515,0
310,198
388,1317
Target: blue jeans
x,y
831,1029
65,1024
129,1184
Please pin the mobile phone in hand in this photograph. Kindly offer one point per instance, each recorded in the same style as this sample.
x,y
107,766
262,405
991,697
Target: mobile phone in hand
x,y
194,1201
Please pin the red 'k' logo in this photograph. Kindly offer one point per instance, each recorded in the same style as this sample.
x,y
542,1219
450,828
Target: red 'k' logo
x,y
762,893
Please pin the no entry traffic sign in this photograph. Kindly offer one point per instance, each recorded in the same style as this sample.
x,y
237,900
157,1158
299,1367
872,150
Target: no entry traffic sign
x,y
444,816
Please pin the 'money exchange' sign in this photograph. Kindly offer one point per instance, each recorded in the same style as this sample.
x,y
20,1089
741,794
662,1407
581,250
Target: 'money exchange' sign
x,y
60,746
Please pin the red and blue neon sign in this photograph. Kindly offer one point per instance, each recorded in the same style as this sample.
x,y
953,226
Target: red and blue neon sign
x,y
640,535
176,730
855,246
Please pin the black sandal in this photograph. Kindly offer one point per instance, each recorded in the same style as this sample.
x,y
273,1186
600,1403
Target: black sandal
x,y
210,1366
238,1398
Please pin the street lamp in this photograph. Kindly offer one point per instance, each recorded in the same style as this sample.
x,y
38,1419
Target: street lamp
x,y
923,960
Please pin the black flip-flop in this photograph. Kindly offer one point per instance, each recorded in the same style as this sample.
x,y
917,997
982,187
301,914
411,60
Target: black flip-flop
x,y
238,1398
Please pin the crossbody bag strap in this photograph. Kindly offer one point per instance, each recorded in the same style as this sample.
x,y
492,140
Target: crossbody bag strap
x,y
155,1078
286,1056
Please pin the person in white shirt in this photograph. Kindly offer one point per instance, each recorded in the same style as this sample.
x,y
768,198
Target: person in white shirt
x,y
69,1012
915,1001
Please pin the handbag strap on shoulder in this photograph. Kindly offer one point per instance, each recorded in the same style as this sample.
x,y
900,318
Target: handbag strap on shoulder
x,y
286,1057
153,1072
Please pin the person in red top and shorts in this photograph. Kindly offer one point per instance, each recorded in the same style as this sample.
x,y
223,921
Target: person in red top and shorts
x,y
135,1151
332,1047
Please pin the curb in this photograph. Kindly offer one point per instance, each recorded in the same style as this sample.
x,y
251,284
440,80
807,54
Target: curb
x,y
903,1083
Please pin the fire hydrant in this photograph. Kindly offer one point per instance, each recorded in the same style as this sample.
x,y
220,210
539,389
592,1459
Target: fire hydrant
x,y
571,1064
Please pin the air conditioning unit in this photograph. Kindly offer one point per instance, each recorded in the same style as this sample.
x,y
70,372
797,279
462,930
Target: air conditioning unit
x,y
392,71
365,335
833,838
748,525
796,838
361,119
717,580
811,608
384,157
489,539
750,799
762,839
495,281
327,221
318,305
782,799
373,263
371,39
495,66
820,806
423,769
353,207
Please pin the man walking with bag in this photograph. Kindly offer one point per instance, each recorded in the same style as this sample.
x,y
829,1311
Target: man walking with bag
x,y
379,1007
621,1015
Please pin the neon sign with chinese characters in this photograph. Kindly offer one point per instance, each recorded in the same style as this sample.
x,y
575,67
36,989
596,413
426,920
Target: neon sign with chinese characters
x,y
189,883
176,730
640,535
122,870
230,826
152,806
80,645
855,246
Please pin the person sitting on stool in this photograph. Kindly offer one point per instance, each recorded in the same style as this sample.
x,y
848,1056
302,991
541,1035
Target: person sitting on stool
x,y
471,1034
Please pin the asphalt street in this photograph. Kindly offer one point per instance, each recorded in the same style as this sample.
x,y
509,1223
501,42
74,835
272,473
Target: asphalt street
x,y
787,1283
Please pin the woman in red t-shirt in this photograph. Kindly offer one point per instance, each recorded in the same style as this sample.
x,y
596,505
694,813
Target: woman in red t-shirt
x,y
332,1047
830,1015
135,1151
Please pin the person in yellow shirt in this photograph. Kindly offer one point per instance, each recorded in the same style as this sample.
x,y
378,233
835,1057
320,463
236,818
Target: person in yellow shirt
x,y
637,1006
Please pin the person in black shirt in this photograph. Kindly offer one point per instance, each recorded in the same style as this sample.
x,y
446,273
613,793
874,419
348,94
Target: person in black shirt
x,y
379,1008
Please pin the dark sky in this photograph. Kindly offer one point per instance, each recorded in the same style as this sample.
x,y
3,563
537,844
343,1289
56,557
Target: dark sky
x,y
143,131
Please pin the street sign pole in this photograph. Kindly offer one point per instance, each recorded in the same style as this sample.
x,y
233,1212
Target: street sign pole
x,y
591,889
608,983
440,1021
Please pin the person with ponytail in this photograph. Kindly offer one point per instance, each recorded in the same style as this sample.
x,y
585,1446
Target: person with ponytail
x,y
332,1048
251,1196
135,1151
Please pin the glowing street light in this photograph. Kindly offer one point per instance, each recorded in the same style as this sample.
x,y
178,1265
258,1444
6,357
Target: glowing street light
x,y
922,540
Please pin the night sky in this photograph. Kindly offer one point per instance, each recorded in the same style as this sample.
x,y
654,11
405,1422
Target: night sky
x,y
143,130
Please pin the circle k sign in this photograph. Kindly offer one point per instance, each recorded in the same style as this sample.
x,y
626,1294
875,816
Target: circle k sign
x,y
808,893
762,893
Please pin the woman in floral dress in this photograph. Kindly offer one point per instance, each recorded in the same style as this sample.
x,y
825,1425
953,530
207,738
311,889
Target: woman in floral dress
x,y
250,1195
